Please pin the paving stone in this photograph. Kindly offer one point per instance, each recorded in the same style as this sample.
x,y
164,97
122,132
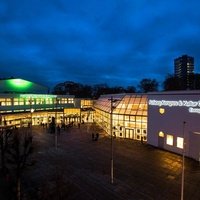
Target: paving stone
x,y
83,167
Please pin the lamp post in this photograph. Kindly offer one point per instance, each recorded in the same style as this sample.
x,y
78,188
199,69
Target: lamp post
x,y
56,134
111,136
183,163
31,112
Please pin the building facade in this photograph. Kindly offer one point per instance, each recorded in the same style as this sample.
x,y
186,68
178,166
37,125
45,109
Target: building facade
x,y
123,114
17,109
22,102
167,120
173,122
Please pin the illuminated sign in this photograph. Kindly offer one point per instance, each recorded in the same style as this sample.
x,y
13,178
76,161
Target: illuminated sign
x,y
34,96
193,106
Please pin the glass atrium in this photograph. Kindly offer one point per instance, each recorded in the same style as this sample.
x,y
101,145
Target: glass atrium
x,y
129,115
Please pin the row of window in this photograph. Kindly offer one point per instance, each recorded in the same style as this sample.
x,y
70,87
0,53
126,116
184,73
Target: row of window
x,y
27,101
173,141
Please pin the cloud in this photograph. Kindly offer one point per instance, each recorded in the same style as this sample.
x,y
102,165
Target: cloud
x,y
108,41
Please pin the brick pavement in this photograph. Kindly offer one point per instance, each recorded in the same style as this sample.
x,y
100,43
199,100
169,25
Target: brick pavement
x,y
80,169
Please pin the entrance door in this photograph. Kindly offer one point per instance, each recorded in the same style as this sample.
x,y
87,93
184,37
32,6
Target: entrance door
x,y
161,142
129,133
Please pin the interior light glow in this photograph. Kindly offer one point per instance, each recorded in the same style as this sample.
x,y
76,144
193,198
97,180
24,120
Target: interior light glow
x,y
34,96
18,84
179,142
169,140
161,134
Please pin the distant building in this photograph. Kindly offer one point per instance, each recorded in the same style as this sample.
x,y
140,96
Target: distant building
x,y
184,70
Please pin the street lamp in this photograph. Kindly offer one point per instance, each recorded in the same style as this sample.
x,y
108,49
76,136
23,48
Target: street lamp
x,y
111,135
56,134
183,163
31,112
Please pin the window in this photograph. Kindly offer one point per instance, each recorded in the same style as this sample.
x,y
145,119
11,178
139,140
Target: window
x,y
126,117
169,140
179,143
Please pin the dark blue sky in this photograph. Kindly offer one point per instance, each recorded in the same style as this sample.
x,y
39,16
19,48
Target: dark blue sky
x,y
118,42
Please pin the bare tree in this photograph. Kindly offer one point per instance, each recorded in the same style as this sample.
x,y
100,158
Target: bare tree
x,y
17,153
5,134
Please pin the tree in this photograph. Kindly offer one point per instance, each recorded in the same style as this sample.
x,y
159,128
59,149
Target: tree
x,y
172,83
100,89
87,91
148,85
5,135
196,81
17,153
130,89
72,88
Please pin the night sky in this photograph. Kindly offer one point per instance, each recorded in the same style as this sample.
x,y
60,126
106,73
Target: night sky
x,y
118,42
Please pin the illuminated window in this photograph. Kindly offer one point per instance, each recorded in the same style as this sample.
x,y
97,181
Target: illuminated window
x,y
161,134
70,100
179,142
169,140
161,110
132,118
126,117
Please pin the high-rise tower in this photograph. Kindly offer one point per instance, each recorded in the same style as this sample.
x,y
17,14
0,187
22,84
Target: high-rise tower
x,y
184,70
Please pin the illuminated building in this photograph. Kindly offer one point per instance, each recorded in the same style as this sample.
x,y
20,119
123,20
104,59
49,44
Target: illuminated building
x,y
129,115
184,70
22,102
162,119
172,118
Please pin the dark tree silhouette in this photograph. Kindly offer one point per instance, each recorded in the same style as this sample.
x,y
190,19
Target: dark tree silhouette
x,y
172,83
17,153
5,134
148,85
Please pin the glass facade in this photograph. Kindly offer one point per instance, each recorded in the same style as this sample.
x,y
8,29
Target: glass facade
x,y
15,109
129,112
129,115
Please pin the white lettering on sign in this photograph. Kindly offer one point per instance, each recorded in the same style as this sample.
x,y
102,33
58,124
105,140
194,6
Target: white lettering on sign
x,y
194,110
194,106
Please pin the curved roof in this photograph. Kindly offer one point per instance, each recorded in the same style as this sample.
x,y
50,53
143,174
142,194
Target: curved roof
x,y
21,86
129,104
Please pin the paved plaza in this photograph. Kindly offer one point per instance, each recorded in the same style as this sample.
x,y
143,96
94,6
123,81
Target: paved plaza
x,y
79,169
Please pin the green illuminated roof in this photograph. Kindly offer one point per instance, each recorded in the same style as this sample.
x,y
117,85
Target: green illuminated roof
x,y
20,86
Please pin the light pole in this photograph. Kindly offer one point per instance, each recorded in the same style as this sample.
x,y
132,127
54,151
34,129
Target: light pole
x,y
111,135
31,112
183,163
56,134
